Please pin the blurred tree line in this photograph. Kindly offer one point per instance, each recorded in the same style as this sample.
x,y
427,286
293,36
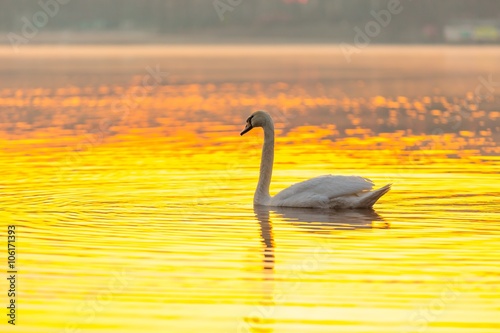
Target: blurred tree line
x,y
298,18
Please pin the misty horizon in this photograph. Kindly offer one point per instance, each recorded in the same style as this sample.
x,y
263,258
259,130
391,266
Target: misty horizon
x,y
159,21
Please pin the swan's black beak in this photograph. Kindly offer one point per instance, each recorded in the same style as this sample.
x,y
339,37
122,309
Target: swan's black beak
x,y
248,127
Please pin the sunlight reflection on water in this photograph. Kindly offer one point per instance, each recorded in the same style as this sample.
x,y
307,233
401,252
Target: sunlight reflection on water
x,y
150,225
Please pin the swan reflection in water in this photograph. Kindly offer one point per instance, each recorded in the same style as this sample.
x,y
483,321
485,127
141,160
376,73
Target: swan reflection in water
x,y
261,318
316,220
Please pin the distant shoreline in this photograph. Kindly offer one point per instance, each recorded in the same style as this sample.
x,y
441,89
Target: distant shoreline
x,y
146,38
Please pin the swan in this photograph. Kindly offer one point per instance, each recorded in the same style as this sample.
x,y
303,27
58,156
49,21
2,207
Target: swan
x,y
331,192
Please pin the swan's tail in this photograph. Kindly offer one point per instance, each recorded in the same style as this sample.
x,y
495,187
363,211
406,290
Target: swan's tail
x,y
369,199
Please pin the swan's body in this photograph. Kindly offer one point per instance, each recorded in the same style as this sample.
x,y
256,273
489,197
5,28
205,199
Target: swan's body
x,y
335,192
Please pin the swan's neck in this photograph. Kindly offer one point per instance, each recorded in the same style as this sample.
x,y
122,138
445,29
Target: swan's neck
x,y
262,196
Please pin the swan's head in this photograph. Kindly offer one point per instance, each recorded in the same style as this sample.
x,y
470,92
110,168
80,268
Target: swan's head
x,y
257,119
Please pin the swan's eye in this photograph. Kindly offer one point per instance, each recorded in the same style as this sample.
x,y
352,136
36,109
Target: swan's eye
x,y
249,120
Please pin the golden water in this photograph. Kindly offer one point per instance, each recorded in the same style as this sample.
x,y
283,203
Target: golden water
x,y
145,222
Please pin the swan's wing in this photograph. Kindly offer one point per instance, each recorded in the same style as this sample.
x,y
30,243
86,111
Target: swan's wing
x,y
317,192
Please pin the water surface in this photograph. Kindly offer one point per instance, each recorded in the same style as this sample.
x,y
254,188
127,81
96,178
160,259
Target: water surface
x,y
139,217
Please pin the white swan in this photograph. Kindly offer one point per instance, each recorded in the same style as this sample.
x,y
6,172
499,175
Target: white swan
x,y
334,192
